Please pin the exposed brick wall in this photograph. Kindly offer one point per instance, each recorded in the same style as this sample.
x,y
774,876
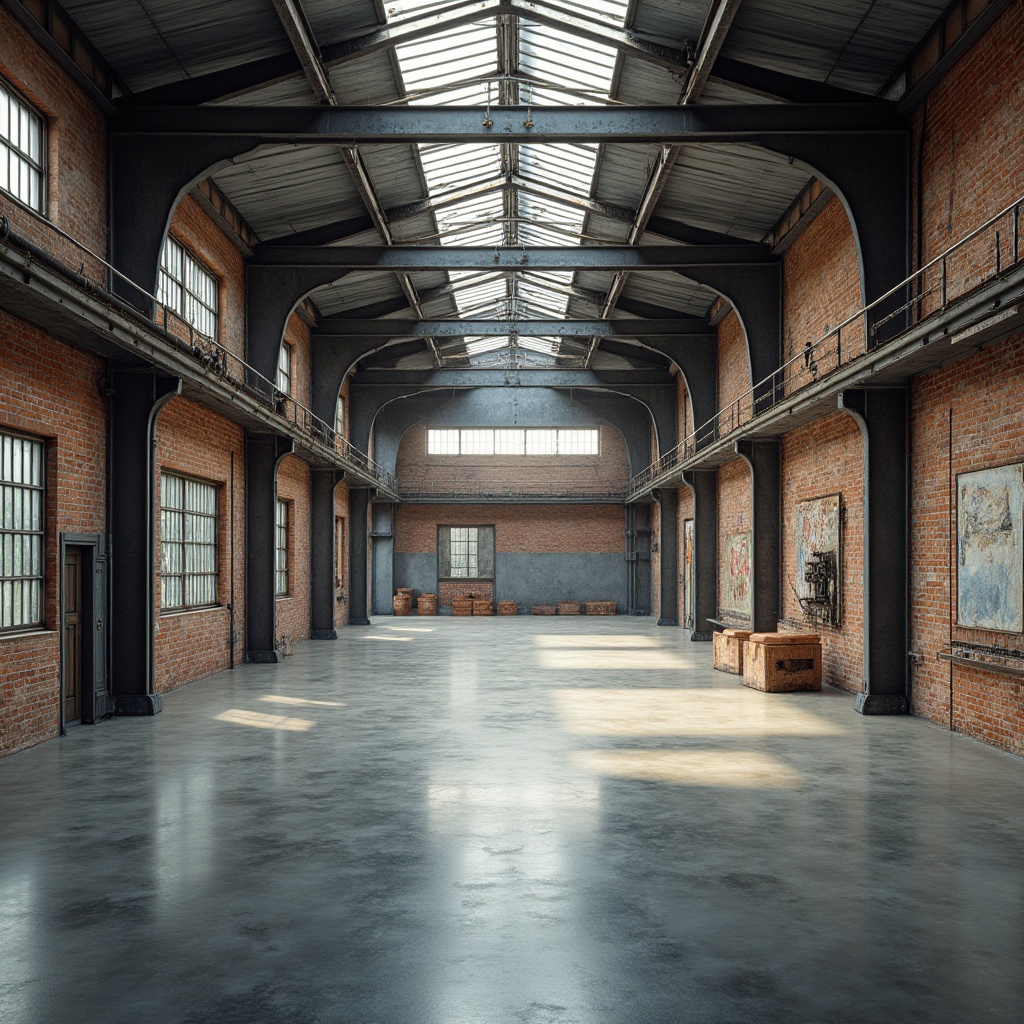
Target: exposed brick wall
x,y
420,473
193,441
77,152
733,364
518,528
686,507
49,390
684,409
297,335
734,504
821,288
964,417
293,486
481,590
967,132
196,230
826,457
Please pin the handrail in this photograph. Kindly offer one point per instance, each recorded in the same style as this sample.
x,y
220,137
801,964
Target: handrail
x,y
766,394
213,354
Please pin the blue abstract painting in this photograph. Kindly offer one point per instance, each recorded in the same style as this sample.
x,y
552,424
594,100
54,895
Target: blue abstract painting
x,y
990,549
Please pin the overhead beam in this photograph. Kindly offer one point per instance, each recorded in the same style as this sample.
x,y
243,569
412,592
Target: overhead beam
x,y
712,39
301,37
769,84
514,378
443,257
254,126
346,328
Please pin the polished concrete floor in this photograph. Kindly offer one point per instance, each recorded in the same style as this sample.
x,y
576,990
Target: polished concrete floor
x,y
509,821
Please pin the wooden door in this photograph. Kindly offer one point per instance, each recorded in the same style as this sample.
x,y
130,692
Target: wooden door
x,y
73,626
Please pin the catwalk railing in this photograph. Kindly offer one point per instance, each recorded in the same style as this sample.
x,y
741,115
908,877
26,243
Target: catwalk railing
x,y
984,254
210,355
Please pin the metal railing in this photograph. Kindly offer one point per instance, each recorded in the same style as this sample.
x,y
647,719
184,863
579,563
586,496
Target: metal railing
x,y
980,256
210,354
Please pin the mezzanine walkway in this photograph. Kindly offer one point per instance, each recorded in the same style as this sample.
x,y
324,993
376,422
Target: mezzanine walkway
x,y
495,821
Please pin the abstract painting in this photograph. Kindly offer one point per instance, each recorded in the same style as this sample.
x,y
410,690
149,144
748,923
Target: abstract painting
x,y
990,549
818,560
736,574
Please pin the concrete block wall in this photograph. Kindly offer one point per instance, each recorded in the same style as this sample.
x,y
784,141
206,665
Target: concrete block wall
x,y
50,391
543,553
195,442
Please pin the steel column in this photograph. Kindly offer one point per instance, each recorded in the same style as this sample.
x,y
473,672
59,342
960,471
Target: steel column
x,y
263,452
358,509
697,359
704,485
764,457
136,398
881,414
668,550
323,556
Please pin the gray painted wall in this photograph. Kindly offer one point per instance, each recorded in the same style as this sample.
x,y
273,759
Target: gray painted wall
x,y
532,578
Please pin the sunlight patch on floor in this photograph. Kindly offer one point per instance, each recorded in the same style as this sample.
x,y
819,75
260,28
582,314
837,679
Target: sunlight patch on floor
x,y
711,769
678,712
275,698
257,720
582,659
571,640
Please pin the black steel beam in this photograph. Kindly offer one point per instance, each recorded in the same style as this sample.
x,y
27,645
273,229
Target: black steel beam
x,y
704,485
323,566
650,311
764,82
764,457
345,328
444,257
668,543
348,125
383,356
688,234
635,353
617,379
326,234
358,508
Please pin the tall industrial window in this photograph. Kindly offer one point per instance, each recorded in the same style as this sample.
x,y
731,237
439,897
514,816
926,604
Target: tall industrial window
x,y
514,441
188,542
284,369
339,417
465,552
281,550
22,149
187,287
21,532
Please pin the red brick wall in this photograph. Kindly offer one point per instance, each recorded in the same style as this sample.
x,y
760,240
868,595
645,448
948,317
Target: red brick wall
x,y
420,473
684,410
734,504
964,417
826,457
518,528
49,390
293,611
686,506
197,231
821,288
77,152
297,336
193,441
733,365
480,590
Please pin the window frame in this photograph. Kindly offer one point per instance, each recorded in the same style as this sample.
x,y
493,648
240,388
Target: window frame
x,y
17,99
185,513
189,260
339,416
285,374
282,552
486,544
37,551
445,442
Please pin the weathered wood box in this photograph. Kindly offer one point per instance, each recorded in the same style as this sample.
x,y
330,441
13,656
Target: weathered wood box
x,y
508,608
728,650
542,609
782,662
462,606
483,607
600,607
568,607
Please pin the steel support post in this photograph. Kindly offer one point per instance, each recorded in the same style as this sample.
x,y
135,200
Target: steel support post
x,y
136,398
263,453
668,550
704,485
324,556
697,359
358,512
881,414
639,524
764,457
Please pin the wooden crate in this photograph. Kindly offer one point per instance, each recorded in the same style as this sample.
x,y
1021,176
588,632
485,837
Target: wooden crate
x,y
462,606
600,607
778,666
508,608
568,607
401,604
483,608
728,650
426,604
542,609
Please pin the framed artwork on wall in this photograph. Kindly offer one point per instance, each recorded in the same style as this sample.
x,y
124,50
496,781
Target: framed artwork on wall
x,y
819,559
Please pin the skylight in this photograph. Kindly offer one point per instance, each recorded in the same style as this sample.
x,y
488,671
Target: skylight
x,y
503,60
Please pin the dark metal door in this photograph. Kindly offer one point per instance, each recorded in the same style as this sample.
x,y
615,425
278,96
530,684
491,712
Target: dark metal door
x,y
73,635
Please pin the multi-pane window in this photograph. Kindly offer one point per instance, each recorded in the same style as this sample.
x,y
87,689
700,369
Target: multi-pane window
x,y
339,417
188,543
284,369
465,552
21,532
281,549
514,441
187,287
22,148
